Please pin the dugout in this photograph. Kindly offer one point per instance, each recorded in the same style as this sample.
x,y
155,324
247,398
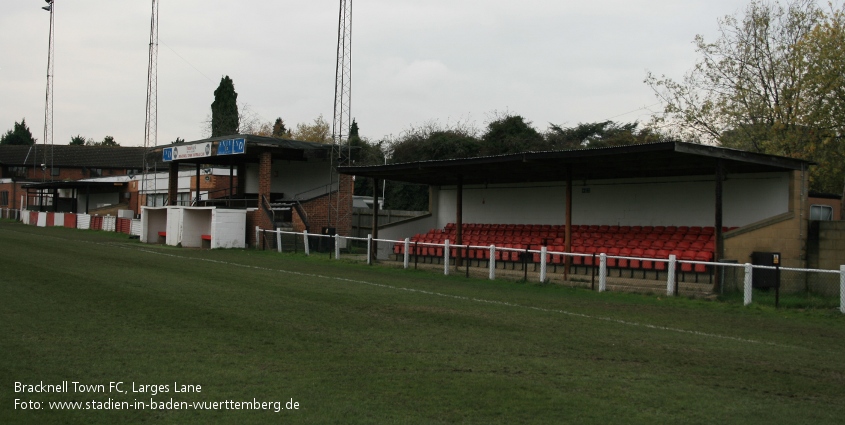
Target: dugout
x,y
762,197
281,182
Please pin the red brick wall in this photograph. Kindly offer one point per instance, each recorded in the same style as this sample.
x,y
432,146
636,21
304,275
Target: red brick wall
x,y
318,211
265,174
15,192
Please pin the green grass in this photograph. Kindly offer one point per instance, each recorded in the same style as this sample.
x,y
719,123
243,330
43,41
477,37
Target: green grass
x,y
359,344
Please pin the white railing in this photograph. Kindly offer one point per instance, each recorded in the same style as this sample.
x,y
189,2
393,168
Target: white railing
x,y
493,254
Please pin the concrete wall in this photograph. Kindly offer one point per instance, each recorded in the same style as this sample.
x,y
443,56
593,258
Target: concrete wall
x,y
400,231
97,199
785,233
291,177
688,201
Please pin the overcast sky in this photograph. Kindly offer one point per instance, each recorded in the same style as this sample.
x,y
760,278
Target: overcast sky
x,y
414,61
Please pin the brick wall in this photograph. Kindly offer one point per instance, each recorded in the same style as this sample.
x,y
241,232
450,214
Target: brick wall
x,y
320,214
831,253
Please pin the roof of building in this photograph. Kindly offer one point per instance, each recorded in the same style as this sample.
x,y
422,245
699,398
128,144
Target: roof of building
x,y
285,149
647,160
73,156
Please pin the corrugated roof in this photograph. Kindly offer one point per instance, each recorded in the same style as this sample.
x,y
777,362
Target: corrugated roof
x,y
646,160
73,156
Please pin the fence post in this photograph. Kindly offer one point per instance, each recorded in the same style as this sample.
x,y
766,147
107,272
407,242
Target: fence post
x,y
257,236
336,246
747,284
670,278
842,289
369,249
446,258
492,262
279,240
407,254
603,272
305,244
543,251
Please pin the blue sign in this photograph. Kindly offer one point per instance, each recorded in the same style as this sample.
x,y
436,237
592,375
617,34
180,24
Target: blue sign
x,y
231,147
167,154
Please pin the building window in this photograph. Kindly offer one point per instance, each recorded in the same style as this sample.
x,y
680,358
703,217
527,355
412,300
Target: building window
x,y
96,172
821,213
4,198
55,172
18,171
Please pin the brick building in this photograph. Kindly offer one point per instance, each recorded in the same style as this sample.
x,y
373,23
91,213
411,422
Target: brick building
x,y
24,165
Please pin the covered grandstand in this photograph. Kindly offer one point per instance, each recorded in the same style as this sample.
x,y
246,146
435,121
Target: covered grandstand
x,y
740,202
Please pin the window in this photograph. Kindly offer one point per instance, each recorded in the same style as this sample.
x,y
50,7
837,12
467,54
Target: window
x,y
55,172
821,212
4,198
96,172
18,171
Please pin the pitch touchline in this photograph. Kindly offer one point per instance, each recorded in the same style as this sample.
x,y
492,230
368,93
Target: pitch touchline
x,y
478,300
438,294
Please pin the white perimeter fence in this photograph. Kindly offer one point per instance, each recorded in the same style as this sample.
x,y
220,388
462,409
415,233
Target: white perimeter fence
x,y
293,241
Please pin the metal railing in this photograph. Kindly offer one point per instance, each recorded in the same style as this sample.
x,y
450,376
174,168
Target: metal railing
x,y
458,257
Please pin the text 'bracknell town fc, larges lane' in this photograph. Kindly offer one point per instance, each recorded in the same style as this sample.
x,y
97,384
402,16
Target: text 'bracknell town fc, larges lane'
x,y
111,387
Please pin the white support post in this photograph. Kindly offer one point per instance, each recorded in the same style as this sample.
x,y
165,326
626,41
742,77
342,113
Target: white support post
x,y
257,236
279,240
749,270
369,249
603,272
842,289
446,258
336,247
670,276
543,251
492,262
407,253
305,242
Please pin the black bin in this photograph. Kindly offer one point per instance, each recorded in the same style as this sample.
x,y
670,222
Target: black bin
x,y
326,244
765,278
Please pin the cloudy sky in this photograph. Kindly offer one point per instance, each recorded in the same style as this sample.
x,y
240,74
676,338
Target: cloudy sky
x,y
414,61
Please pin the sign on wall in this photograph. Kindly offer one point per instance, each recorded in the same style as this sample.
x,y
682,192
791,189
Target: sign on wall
x,y
176,153
231,147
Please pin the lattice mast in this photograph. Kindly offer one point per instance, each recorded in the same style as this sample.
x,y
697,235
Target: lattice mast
x,y
151,126
342,113
48,102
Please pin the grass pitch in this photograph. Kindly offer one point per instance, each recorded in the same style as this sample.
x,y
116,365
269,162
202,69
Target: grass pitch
x,y
357,344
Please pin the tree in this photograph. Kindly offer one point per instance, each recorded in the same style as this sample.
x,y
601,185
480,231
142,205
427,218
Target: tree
x,y
19,135
224,109
279,129
511,134
600,135
319,131
108,141
77,141
771,83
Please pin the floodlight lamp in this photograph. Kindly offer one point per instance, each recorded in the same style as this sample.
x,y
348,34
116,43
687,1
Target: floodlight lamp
x,y
48,8
48,1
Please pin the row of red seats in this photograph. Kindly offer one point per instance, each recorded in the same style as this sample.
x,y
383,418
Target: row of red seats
x,y
514,253
471,228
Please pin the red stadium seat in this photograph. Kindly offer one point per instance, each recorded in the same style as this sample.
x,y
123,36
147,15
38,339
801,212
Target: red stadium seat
x,y
648,264
624,262
612,262
706,256
636,263
687,256
662,254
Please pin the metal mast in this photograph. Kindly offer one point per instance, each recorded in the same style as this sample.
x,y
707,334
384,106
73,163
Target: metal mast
x,y
151,128
48,103
342,113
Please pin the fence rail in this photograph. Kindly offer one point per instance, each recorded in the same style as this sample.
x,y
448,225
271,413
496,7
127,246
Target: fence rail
x,y
454,257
